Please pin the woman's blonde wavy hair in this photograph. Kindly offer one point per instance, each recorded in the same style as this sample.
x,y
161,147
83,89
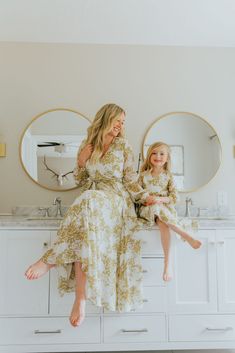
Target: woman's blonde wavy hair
x,y
101,125
147,166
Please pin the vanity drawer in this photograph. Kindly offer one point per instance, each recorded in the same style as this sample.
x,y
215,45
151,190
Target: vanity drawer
x,y
56,331
135,328
152,271
202,328
151,241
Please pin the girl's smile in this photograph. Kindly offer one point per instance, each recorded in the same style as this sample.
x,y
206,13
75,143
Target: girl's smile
x,y
159,157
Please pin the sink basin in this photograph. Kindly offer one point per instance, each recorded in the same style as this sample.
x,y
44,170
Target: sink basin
x,y
40,218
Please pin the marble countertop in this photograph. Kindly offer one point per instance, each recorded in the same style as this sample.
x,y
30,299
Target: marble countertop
x,y
27,222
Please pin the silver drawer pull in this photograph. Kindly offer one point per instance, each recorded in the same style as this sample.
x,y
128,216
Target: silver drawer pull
x,y
38,332
137,331
145,271
145,301
221,242
144,242
228,328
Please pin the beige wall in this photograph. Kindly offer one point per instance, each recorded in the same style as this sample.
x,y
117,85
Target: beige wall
x,y
146,81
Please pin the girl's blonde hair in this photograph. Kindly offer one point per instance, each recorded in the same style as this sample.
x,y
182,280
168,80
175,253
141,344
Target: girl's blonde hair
x,y
146,166
101,125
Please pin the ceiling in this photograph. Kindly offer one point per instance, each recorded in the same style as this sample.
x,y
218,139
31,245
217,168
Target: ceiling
x,y
131,22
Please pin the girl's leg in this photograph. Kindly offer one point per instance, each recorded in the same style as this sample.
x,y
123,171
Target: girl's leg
x,y
37,270
78,311
194,243
165,240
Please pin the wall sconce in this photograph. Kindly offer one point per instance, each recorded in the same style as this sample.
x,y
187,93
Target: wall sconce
x,y
2,150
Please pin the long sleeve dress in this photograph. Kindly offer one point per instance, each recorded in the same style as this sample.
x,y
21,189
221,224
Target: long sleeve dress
x,y
98,231
163,185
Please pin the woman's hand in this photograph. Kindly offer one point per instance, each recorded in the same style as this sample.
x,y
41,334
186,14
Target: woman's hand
x,y
84,155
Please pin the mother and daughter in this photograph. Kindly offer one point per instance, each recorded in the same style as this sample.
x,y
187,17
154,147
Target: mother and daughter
x,y
95,251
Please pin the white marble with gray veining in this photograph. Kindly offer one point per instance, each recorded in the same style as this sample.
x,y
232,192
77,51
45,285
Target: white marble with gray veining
x,y
40,222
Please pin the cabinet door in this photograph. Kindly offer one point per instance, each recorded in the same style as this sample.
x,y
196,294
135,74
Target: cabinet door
x,y
193,286
19,296
225,240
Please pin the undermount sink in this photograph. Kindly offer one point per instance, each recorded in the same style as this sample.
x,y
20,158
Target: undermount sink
x,y
40,218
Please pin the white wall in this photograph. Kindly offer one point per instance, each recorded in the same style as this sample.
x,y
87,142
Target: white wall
x,y
146,81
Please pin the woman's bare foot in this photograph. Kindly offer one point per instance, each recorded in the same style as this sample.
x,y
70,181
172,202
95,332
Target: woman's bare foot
x,y
37,270
77,315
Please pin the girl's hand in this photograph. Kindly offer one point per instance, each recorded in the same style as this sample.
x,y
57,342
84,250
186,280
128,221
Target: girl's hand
x,y
150,200
165,199
84,155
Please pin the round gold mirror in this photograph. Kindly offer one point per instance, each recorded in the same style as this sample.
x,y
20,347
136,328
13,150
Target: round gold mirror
x,y
49,145
195,148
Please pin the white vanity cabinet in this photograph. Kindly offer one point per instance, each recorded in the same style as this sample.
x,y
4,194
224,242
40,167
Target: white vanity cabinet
x,y
203,279
194,284
225,247
196,310
18,249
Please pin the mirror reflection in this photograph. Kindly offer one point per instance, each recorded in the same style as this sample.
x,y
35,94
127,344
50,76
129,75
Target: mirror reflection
x,y
195,148
49,146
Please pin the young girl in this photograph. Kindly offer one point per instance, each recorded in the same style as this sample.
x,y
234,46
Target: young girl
x,y
157,179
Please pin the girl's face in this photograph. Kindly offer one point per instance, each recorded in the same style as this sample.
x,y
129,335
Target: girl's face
x,y
159,157
117,125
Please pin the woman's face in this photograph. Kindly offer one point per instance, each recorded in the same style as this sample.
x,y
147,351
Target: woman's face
x,y
159,156
117,125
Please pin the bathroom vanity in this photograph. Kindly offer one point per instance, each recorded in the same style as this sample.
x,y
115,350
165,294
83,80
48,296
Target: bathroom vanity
x,y
196,310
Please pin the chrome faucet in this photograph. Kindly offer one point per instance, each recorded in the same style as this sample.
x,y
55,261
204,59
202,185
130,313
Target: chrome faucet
x,y
57,201
187,209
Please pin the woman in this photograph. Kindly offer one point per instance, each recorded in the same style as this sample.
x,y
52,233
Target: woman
x,y
95,251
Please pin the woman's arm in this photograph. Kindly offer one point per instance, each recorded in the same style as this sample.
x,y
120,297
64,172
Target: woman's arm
x,y
80,173
130,177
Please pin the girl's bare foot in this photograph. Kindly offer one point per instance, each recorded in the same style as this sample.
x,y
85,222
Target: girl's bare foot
x,y
77,315
37,270
195,244
166,276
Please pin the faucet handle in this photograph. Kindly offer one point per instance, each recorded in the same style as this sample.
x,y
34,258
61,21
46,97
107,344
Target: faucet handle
x,y
56,200
46,209
189,199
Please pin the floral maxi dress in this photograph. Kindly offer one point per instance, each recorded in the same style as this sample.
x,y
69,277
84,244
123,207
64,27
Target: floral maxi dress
x,y
98,231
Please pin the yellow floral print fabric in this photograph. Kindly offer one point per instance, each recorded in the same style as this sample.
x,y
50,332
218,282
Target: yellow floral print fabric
x,y
98,231
162,185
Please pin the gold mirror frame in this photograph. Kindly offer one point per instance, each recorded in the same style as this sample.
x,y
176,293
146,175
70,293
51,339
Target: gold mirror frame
x,y
203,120
38,116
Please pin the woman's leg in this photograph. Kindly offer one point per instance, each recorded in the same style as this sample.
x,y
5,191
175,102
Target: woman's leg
x,y
78,311
37,270
165,240
194,243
